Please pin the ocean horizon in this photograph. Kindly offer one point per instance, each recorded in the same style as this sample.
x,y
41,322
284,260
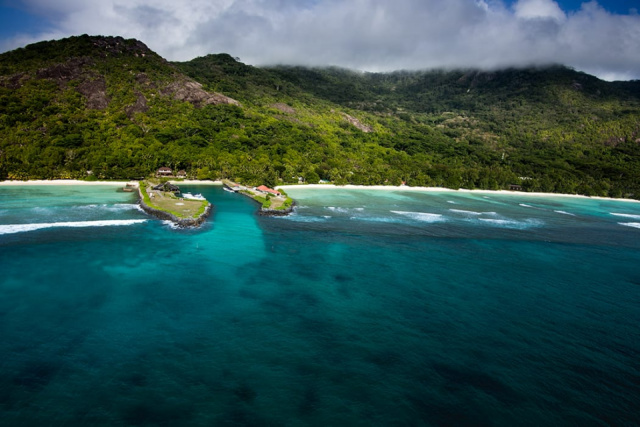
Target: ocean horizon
x,y
364,307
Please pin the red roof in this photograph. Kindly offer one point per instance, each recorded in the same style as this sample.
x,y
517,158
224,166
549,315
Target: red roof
x,y
267,190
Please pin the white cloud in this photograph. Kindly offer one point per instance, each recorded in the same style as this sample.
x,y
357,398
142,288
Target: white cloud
x,y
538,9
374,35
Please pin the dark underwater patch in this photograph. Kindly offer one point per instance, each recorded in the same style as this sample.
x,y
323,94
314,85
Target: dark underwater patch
x,y
245,393
157,413
457,378
309,402
447,415
36,375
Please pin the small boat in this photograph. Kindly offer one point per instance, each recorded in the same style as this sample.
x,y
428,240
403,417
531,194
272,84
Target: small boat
x,y
190,196
228,189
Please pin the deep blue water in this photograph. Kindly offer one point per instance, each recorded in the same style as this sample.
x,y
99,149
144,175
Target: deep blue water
x,y
363,308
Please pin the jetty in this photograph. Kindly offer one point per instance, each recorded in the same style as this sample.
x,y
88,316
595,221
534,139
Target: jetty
x,y
272,202
163,200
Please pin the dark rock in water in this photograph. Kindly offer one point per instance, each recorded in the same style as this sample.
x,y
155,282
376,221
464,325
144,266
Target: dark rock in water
x,y
276,212
167,186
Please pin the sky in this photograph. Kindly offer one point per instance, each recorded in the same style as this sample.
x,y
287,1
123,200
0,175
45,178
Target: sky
x,y
597,36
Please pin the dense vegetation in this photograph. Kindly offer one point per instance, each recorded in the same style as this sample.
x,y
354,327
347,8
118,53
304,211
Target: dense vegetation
x,y
113,107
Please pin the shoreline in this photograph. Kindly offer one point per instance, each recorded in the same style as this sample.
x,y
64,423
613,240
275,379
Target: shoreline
x,y
64,182
80,182
195,182
325,186
446,190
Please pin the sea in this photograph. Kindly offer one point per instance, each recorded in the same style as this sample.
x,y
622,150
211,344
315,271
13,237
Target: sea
x,y
362,308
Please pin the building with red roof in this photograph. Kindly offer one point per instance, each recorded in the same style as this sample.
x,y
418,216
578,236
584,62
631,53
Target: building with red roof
x,y
266,189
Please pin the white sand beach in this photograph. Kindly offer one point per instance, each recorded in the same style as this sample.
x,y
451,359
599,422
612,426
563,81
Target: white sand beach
x,y
440,190
66,182
195,182
114,183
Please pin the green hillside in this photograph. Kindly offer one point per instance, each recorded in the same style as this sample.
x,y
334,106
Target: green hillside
x,y
113,107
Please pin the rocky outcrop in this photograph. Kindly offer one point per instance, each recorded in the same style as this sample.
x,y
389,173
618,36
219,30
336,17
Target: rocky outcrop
x,y
167,186
114,46
276,212
14,81
92,85
139,107
192,92
63,73
96,93
284,108
357,123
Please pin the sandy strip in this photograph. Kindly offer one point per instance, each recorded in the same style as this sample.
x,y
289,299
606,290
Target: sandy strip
x,y
115,183
196,182
442,190
66,182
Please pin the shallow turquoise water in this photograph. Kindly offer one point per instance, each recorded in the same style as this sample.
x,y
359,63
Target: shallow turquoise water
x,y
363,308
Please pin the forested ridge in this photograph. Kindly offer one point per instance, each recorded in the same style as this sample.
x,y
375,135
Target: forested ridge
x,y
115,108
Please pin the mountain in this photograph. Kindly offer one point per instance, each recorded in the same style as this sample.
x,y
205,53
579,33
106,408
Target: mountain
x,y
117,109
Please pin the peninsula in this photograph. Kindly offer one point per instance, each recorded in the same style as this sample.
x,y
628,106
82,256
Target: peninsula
x,y
165,201
272,202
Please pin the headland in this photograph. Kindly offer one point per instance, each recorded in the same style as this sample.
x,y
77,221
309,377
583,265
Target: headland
x,y
165,201
272,202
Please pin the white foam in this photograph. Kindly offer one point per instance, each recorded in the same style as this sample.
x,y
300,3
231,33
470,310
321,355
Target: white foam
x,y
499,221
170,224
565,213
630,224
510,223
626,215
19,228
465,212
421,216
113,208
302,218
340,210
374,219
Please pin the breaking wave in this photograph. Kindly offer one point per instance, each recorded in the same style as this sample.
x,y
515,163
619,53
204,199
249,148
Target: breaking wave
x,y
627,216
565,213
421,216
375,219
303,218
510,223
465,212
19,228
630,224
170,224
114,208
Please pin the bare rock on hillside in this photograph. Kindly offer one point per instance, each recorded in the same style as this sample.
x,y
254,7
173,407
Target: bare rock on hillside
x,y
14,81
139,107
284,108
115,46
357,123
96,93
190,91
65,72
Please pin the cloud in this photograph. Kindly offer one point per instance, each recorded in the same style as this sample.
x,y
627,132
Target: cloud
x,y
374,35
538,9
